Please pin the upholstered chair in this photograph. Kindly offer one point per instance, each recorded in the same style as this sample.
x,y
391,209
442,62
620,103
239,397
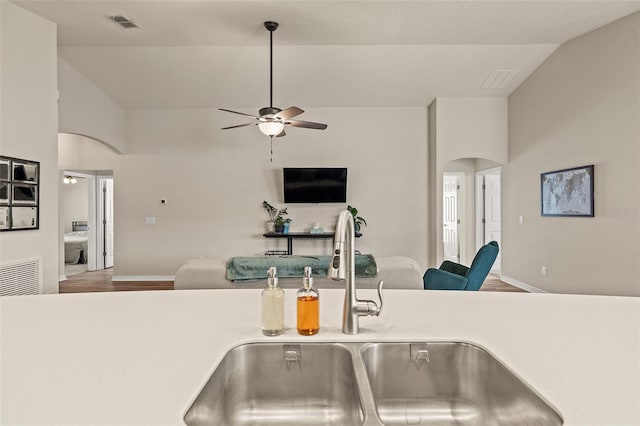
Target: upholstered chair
x,y
454,276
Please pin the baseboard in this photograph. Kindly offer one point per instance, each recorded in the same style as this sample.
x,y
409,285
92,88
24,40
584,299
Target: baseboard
x,y
62,278
520,284
143,278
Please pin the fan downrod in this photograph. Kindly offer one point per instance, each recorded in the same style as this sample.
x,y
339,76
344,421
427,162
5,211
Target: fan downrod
x,y
271,26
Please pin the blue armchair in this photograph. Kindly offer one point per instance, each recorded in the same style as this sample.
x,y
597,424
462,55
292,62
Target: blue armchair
x,y
454,276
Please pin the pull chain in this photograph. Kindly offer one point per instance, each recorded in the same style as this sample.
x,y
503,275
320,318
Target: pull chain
x,y
271,159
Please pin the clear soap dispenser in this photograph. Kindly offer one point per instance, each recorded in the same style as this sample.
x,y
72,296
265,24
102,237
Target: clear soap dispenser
x,y
308,306
272,306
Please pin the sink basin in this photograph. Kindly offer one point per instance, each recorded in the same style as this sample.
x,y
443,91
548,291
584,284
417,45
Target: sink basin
x,y
449,383
280,384
360,383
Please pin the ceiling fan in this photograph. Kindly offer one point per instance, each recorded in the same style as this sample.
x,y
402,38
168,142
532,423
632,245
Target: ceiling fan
x,y
271,120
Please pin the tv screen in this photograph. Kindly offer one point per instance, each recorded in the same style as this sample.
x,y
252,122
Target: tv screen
x,y
315,185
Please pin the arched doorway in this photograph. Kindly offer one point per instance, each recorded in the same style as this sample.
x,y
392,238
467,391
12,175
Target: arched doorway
x,y
86,219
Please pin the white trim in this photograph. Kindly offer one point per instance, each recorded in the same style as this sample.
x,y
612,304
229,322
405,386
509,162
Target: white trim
x,y
62,278
520,284
479,206
143,278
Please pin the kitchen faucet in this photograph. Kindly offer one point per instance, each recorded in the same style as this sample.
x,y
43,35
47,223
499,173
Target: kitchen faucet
x,y
343,267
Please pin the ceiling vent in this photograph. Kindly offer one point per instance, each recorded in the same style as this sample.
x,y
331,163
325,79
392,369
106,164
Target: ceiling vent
x,y
123,22
499,79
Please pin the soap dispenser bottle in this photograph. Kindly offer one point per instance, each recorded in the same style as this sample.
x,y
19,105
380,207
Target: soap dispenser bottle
x,y
308,306
272,306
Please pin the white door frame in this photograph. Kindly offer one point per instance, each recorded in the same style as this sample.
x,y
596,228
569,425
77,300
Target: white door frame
x,y
91,217
480,209
460,203
100,220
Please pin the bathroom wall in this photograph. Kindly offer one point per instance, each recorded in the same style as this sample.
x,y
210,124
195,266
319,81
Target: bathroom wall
x,y
74,203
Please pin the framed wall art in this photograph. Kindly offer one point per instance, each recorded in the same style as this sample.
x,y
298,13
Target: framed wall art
x,y
567,192
19,194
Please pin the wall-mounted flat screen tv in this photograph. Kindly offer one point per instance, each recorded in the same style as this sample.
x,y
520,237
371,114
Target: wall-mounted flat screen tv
x,y
315,185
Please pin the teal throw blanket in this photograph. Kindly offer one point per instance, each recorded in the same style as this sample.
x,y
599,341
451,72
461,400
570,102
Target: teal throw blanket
x,y
255,268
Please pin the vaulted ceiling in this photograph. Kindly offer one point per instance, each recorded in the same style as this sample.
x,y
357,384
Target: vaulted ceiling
x,y
209,53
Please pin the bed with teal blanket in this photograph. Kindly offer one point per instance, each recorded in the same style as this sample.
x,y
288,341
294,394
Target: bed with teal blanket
x,y
255,268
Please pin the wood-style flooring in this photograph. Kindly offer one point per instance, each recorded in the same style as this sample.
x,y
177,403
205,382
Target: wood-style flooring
x,y
95,281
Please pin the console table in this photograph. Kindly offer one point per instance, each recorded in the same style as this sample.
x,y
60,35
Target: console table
x,y
301,236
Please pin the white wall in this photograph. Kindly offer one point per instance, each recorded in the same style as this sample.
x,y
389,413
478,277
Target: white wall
x,y
29,127
79,153
465,128
215,182
582,106
74,203
472,128
86,110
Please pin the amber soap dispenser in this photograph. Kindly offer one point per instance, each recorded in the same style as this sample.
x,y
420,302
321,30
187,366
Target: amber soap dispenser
x,y
308,306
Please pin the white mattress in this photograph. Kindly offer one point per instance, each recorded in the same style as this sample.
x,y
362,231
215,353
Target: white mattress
x,y
398,272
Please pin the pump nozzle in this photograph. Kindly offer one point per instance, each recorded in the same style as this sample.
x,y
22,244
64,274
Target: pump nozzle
x,y
272,279
307,280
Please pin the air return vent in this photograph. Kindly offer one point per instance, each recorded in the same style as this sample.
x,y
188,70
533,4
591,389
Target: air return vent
x,y
21,277
123,22
499,79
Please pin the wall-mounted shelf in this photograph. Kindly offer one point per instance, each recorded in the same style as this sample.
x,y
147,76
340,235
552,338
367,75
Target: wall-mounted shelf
x,y
299,236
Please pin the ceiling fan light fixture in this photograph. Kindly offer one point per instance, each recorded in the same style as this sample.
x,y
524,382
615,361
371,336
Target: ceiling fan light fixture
x,y
271,128
272,120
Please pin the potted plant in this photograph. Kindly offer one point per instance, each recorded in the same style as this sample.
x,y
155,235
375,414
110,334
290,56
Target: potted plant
x,y
276,217
282,224
358,221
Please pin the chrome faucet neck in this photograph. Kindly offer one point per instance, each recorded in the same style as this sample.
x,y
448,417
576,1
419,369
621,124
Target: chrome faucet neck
x,y
343,267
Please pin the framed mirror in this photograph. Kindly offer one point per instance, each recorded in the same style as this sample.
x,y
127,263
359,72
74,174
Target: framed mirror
x,y
24,194
4,218
5,191
24,218
4,170
19,194
25,172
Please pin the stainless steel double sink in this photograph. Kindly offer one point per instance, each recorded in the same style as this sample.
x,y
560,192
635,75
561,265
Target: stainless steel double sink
x,y
407,383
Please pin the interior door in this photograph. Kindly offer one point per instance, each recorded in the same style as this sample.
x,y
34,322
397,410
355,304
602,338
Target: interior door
x,y
108,222
492,213
450,218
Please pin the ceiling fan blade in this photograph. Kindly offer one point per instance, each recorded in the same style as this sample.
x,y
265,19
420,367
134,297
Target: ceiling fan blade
x,y
239,125
305,124
288,113
236,112
281,134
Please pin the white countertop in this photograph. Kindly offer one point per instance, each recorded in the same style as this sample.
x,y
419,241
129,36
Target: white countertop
x,y
139,358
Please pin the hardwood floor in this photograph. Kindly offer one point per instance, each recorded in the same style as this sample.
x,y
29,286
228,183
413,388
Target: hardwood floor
x,y
96,281
493,283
